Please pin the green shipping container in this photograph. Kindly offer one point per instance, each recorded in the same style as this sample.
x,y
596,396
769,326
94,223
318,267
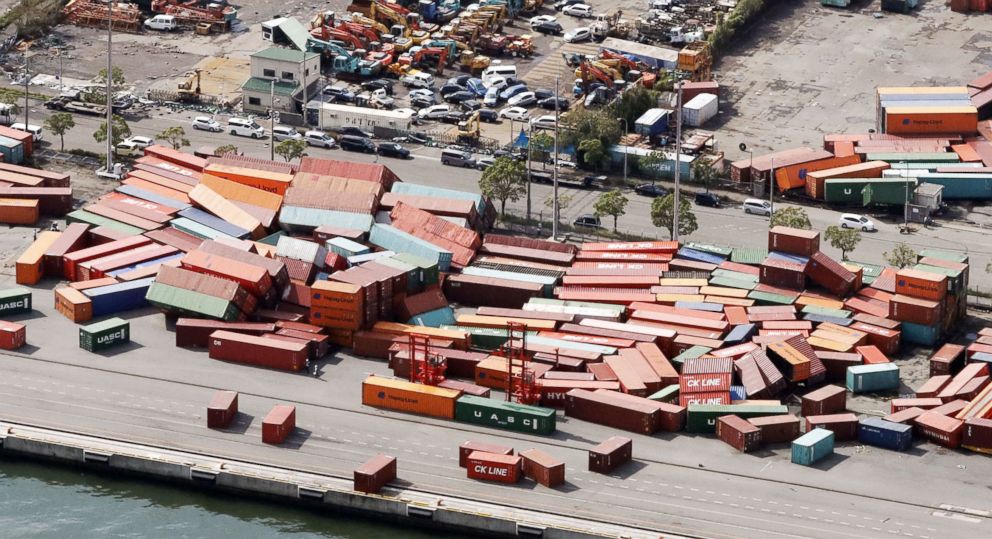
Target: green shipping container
x,y
691,353
666,394
428,269
735,275
869,272
826,311
770,298
103,335
702,417
852,190
707,248
272,239
412,273
895,192
484,338
505,415
83,216
835,3
743,255
728,282
15,300
183,302
944,255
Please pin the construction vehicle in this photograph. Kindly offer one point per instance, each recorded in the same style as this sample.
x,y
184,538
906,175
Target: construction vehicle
x,y
395,15
450,45
588,73
189,88
68,104
469,128
609,25
521,46
440,11
678,35
696,58
473,63
429,52
343,62
493,43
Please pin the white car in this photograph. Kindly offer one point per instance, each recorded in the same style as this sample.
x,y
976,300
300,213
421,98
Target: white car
x,y
522,99
578,10
543,122
853,220
205,123
492,97
434,111
534,21
757,206
578,35
422,92
498,82
285,132
140,142
319,139
514,113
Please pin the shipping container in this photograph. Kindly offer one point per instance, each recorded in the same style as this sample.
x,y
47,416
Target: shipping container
x,y
259,351
405,396
476,290
278,424
12,335
466,449
103,335
222,410
939,429
493,467
18,211
72,304
977,434
793,240
375,474
28,267
543,468
611,411
824,401
776,429
505,415
738,433
812,447
181,302
872,378
15,301
195,332
702,417
844,426
119,297
610,454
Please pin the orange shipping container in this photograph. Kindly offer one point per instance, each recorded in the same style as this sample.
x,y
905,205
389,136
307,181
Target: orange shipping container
x,y
213,202
29,264
460,339
931,120
157,189
403,396
921,284
273,182
242,193
73,304
794,176
870,169
966,153
14,211
336,295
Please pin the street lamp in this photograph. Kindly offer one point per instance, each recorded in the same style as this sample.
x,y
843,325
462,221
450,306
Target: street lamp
x,y
678,159
272,119
110,97
624,120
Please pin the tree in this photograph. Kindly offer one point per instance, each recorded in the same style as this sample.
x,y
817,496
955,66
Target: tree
x,y
635,102
98,93
564,201
792,217
613,203
176,136
583,124
13,101
900,256
703,172
662,213
845,239
650,164
505,179
290,149
593,153
226,149
121,131
60,123
541,145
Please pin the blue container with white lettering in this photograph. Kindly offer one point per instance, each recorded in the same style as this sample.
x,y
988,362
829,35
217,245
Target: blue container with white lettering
x,y
119,297
886,434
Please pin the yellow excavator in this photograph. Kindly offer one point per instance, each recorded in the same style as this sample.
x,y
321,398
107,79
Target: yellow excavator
x,y
468,129
189,87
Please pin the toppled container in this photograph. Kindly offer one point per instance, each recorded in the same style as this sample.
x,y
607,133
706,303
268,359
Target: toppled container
x,y
492,467
738,433
543,468
610,454
468,447
374,474
777,429
278,424
886,434
222,409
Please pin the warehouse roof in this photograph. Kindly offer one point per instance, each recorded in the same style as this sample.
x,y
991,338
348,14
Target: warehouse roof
x,y
649,54
258,84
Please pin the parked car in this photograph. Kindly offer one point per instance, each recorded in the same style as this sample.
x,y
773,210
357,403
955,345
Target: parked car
x,y
419,79
651,190
562,4
452,117
471,105
423,92
457,158
549,103
421,102
534,21
459,96
512,91
376,84
339,92
205,123
543,122
498,82
587,221
165,23
355,132
484,162
543,93
285,132
488,116
582,11
127,148
492,97
853,220
757,206
433,112
553,28
392,149
460,80
522,99
514,113
244,127
319,139
138,140
707,199
449,89
357,144
578,35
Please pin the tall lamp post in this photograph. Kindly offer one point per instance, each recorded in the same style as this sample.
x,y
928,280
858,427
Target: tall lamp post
x,y
110,96
678,161
554,171
624,120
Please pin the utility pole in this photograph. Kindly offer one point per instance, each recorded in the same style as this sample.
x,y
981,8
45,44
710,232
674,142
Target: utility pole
x,y
530,149
304,108
60,53
554,171
771,194
320,111
625,148
905,208
272,120
27,78
110,93
678,162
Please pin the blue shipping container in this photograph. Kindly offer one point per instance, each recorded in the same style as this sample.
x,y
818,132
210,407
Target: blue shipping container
x,y
216,223
700,306
740,333
119,297
881,433
981,357
812,447
117,272
787,257
408,188
737,393
822,318
444,316
876,377
136,192
304,220
12,150
394,239
920,334
687,253
652,123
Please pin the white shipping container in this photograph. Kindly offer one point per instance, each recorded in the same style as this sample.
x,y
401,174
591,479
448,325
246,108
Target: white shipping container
x,y
700,109
298,249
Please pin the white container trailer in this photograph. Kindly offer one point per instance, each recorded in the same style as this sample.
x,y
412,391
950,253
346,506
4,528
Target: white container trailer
x,y
700,109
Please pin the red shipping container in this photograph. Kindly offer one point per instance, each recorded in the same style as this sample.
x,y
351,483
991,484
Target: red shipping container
x,y
933,386
602,372
777,429
278,424
271,353
12,335
222,409
871,355
543,468
972,388
898,405
961,379
72,239
610,454
917,311
468,447
750,376
493,467
887,340
880,321
712,397
671,416
824,401
554,392
738,433
793,240
977,434
844,426
374,474
939,429
784,274
254,278
630,379
607,409
948,359
830,274
195,332
950,409
71,260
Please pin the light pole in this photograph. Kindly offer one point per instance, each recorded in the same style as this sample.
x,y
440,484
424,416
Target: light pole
x,y
624,120
554,172
27,78
110,95
530,149
771,194
678,163
905,208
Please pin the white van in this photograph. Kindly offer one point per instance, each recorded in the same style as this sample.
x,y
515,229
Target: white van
x,y
505,71
285,132
165,23
35,130
243,127
419,79
757,206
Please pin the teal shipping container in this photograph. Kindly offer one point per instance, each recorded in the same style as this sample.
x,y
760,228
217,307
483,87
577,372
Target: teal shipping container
x,y
429,273
394,239
414,279
444,316
691,353
83,216
666,394
953,256
835,3
547,282
505,415
199,230
826,311
745,255
876,377
812,447
920,334
346,247
914,157
961,186
181,302
427,190
770,298
853,190
304,220
12,150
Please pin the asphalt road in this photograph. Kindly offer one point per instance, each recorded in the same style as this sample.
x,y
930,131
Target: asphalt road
x,y
153,393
